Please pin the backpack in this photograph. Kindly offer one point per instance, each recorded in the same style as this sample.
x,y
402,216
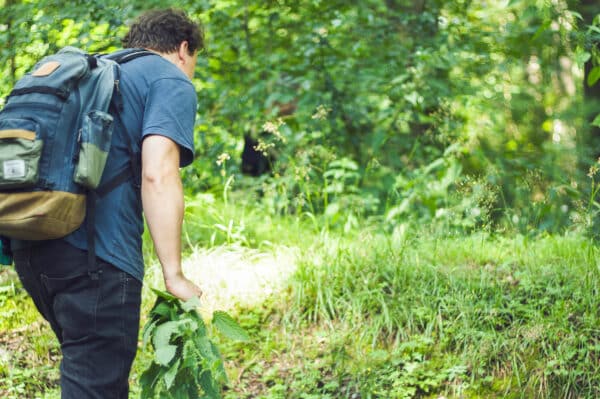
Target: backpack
x,y
55,135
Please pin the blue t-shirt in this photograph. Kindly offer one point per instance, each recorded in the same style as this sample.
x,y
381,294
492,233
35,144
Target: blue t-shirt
x,y
158,98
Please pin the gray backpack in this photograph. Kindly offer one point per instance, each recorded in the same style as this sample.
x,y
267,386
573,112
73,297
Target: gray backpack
x,y
55,135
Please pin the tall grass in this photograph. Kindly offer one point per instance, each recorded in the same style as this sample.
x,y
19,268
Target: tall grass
x,y
416,313
511,317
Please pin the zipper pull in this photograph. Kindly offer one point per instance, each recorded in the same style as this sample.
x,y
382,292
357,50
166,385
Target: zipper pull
x,y
118,98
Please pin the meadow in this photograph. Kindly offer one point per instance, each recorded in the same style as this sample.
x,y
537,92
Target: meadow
x,y
413,313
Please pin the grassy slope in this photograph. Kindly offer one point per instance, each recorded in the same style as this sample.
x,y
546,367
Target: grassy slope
x,y
380,316
394,317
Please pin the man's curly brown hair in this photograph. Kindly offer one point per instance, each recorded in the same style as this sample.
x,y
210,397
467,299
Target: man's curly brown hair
x,y
164,31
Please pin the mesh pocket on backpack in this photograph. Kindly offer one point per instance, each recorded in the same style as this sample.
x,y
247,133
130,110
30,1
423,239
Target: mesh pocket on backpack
x,y
96,134
20,152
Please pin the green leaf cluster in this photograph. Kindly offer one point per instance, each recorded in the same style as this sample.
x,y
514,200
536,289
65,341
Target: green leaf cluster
x,y
187,363
379,92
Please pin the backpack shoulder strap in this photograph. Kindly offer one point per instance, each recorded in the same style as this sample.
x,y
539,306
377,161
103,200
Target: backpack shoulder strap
x,y
122,57
126,55
134,169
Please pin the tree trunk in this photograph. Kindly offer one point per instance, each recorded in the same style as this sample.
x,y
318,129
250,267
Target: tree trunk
x,y
588,10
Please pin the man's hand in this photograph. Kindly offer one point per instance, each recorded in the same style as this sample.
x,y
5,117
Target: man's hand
x,y
182,287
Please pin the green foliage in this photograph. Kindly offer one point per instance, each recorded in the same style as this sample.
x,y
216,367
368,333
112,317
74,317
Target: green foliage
x,y
422,315
588,219
24,373
186,362
390,88
413,313
379,91
455,116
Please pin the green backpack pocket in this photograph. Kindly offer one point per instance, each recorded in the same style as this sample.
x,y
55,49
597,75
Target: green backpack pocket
x,y
95,138
20,152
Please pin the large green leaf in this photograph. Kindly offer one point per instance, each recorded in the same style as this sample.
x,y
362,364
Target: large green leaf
x,y
208,385
191,304
164,295
593,76
218,368
162,308
165,354
229,327
148,379
203,346
163,333
581,57
148,331
169,376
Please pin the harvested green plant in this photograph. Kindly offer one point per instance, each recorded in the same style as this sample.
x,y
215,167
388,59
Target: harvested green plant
x,y
186,364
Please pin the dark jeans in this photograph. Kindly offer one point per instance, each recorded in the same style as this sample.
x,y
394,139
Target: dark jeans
x,y
96,320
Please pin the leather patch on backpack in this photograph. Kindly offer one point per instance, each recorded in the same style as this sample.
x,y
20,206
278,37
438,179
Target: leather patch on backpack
x,y
17,134
46,69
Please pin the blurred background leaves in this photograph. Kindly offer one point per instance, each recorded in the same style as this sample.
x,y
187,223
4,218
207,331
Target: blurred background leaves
x,y
474,114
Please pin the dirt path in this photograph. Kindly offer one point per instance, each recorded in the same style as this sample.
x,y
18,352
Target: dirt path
x,y
228,276
232,275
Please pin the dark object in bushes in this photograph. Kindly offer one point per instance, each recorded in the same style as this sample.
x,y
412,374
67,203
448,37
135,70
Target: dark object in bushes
x,y
254,162
258,161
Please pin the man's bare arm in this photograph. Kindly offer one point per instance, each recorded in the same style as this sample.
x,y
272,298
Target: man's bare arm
x,y
162,200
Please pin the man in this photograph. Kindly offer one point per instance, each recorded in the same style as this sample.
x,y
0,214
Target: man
x,y
96,315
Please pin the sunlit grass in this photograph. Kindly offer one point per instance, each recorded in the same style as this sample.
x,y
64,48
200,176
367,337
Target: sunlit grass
x,y
28,350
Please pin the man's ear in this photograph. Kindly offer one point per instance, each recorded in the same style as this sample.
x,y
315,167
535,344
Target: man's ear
x,y
183,50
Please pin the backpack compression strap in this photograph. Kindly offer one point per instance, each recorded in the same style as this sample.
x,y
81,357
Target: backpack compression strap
x,y
60,93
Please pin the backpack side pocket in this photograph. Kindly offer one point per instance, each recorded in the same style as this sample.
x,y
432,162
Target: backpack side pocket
x,y
94,145
20,152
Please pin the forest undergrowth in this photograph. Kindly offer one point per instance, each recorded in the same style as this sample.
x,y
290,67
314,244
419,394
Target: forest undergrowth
x,y
428,223
413,313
